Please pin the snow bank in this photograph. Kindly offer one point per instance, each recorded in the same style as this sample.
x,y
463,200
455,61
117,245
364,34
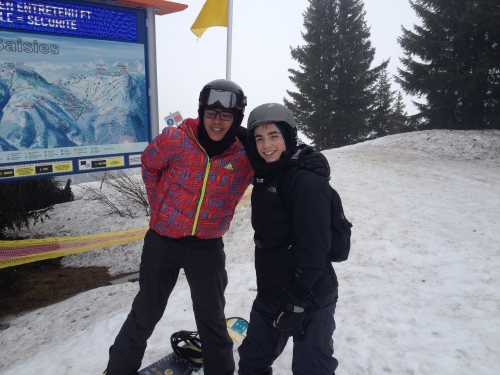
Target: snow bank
x,y
420,293
463,144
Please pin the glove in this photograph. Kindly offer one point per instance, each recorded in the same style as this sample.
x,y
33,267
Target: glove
x,y
314,161
290,323
290,319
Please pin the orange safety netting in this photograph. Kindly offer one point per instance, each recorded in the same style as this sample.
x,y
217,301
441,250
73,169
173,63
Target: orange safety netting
x,y
13,253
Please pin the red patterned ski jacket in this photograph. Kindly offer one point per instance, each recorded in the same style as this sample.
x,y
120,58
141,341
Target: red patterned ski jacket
x,y
189,193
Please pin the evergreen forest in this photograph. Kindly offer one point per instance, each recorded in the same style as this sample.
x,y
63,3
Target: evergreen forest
x,y
450,68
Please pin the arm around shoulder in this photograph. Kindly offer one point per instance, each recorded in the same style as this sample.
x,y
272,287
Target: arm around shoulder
x,y
314,161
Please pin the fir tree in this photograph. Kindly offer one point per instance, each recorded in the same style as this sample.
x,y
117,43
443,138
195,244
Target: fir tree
x,y
453,61
380,123
400,122
335,82
26,202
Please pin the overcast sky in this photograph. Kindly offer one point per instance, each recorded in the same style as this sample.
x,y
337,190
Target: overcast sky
x,y
263,32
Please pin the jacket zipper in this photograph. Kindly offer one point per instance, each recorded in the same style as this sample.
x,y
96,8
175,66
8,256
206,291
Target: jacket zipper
x,y
202,195
205,179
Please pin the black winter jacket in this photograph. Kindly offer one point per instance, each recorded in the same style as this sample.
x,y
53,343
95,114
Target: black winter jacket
x,y
291,247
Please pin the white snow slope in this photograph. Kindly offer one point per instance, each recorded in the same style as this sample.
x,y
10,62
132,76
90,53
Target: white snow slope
x,y
420,293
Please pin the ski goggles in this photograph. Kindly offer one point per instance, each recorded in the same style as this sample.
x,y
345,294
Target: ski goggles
x,y
227,99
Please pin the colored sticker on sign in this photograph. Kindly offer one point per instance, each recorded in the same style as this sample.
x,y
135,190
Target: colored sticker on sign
x,y
63,167
117,162
25,171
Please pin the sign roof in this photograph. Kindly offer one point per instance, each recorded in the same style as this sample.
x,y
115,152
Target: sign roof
x,y
164,7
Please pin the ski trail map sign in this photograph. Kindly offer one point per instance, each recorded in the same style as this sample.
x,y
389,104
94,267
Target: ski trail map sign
x,y
73,87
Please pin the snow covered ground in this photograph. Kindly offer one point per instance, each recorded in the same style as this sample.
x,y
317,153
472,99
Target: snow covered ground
x,y
420,293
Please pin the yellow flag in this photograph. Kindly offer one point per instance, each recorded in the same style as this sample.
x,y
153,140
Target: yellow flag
x,y
213,13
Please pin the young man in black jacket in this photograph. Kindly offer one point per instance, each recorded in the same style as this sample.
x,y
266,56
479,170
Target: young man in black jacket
x,y
296,284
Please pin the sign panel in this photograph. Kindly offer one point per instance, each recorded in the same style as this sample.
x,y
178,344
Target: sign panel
x,y
173,119
36,169
99,163
68,18
134,160
72,84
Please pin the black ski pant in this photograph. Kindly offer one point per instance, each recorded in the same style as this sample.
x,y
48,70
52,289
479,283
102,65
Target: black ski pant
x,y
312,351
162,258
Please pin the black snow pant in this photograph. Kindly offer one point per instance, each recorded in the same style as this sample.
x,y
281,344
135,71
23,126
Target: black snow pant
x,y
162,258
312,351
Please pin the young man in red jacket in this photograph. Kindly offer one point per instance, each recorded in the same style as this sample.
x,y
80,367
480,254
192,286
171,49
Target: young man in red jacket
x,y
195,175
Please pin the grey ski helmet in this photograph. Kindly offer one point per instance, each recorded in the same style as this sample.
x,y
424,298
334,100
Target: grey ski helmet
x,y
222,93
270,112
278,114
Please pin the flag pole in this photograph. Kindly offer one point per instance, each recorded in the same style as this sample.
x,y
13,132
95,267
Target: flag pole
x,y
229,38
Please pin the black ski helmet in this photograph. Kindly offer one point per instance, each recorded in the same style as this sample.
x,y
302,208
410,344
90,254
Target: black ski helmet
x,y
222,93
277,114
225,94
187,345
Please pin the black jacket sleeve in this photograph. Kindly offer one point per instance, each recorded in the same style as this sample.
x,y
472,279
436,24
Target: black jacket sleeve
x,y
243,136
311,226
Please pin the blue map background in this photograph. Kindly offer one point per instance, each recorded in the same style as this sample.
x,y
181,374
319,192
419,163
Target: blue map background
x,y
93,92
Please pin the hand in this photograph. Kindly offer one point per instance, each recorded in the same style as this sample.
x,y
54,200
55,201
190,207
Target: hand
x,y
314,161
290,319
290,323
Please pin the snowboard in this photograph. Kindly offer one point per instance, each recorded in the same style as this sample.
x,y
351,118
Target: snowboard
x,y
174,365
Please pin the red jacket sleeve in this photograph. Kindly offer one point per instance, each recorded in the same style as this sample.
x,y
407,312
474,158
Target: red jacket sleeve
x,y
154,160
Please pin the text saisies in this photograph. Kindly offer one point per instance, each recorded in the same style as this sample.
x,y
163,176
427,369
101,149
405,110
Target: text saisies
x,y
28,47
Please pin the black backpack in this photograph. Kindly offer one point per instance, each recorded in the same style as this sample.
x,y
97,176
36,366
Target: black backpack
x,y
339,225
